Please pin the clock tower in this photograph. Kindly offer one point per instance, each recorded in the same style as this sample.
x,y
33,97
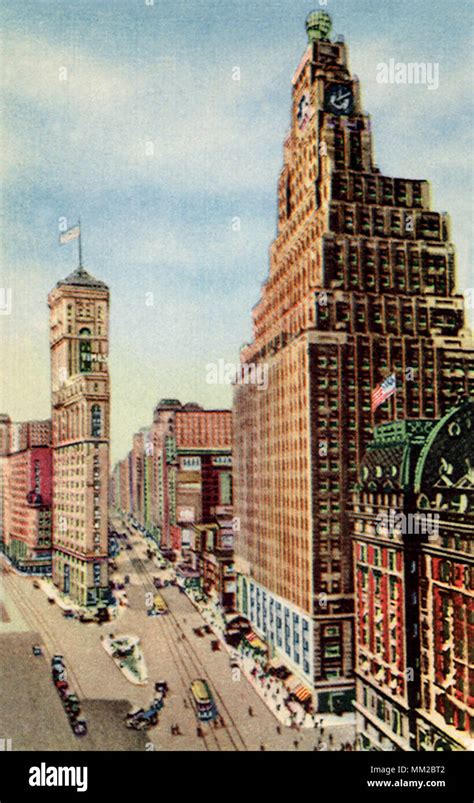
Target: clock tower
x,y
80,395
361,286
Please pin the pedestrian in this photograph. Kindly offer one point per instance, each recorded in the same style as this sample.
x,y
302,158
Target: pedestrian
x,y
250,711
331,738
296,743
278,730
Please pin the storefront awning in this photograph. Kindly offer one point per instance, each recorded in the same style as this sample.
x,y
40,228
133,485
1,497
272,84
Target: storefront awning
x,y
255,642
302,693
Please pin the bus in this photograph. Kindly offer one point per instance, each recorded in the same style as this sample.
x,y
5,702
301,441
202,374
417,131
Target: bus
x,y
159,604
203,700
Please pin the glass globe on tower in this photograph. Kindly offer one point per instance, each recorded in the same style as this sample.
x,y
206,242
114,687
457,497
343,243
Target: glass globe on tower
x,y
318,25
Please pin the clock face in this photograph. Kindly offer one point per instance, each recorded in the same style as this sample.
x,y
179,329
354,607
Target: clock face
x,y
339,99
304,111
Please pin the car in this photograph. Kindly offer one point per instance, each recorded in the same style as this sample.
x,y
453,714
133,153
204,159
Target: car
x,y
68,613
162,686
51,600
215,645
61,685
58,673
72,704
198,632
141,719
36,584
87,617
57,659
37,649
207,629
128,546
79,727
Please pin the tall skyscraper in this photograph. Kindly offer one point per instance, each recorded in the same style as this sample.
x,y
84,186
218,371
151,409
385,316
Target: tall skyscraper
x,y
361,285
80,389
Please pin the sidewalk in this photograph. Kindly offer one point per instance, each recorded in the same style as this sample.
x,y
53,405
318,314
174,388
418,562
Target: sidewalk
x,y
270,689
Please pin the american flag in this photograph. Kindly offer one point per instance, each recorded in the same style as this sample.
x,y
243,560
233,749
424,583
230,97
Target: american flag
x,y
383,391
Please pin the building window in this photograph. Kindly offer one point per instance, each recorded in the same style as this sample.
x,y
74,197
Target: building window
x,y
225,488
85,357
96,421
332,650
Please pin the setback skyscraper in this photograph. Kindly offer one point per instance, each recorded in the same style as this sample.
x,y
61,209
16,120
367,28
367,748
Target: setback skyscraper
x,y
361,286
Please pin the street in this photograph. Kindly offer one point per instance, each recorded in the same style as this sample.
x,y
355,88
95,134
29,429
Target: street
x,y
31,712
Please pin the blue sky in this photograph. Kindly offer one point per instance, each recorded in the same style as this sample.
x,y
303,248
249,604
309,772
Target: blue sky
x,y
151,141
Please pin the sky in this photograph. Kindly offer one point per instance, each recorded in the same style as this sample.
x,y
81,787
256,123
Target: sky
x,y
126,113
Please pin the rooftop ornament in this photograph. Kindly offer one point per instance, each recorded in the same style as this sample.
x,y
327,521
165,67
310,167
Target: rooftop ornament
x,y
318,26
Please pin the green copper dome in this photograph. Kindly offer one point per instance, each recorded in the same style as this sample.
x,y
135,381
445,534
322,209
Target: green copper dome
x,y
318,25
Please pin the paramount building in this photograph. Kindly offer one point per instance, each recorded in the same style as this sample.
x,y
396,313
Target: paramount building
x,y
361,285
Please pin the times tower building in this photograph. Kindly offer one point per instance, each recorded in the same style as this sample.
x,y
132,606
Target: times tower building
x,y
80,397
361,286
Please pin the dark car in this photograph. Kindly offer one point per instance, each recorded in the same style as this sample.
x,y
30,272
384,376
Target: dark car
x,y
207,629
79,727
51,600
37,649
198,632
69,614
129,546
162,687
216,645
36,584
72,705
141,719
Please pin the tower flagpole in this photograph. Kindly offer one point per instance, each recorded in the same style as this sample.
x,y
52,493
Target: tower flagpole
x,y
80,243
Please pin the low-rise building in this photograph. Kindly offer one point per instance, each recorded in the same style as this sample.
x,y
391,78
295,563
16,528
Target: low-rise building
x,y
27,480
413,525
